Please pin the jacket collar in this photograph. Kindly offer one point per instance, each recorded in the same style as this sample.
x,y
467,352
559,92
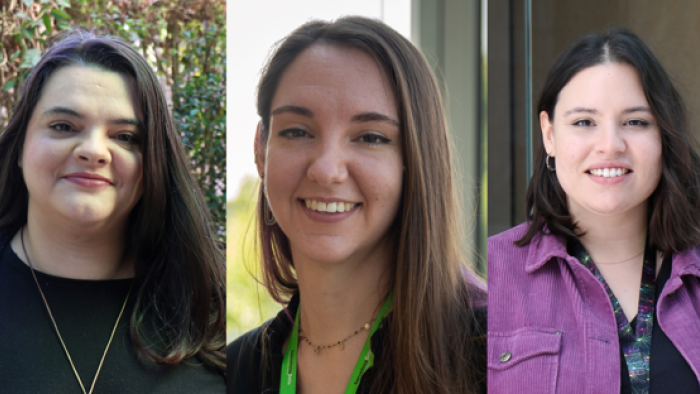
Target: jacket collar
x,y
545,247
686,262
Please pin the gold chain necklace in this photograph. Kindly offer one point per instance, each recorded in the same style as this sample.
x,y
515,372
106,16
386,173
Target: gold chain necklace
x,y
65,349
341,344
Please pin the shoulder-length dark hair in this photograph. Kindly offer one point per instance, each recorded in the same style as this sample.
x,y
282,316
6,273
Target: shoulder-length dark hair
x,y
179,266
432,318
674,207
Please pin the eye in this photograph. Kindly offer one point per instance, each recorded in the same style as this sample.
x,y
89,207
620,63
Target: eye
x,y
127,138
583,123
373,139
294,133
637,122
62,127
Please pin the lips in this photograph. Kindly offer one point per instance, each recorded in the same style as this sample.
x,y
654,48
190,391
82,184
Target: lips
x,y
88,179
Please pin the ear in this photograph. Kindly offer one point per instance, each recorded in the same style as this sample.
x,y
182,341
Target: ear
x,y
547,133
259,147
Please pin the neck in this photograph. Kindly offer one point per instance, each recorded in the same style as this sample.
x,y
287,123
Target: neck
x,y
72,251
614,239
337,299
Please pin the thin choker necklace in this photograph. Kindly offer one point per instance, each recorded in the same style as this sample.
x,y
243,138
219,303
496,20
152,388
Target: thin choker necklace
x,y
65,349
341,344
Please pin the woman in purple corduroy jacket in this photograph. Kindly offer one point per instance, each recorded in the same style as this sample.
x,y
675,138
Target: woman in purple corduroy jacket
x,y
599,291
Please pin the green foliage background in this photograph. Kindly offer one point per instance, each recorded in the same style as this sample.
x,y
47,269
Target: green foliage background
x,y
184,40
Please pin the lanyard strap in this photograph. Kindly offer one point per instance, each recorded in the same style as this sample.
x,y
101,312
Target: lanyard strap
x,y
635,343
288,380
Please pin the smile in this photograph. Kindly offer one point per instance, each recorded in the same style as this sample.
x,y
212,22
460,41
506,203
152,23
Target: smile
x,y
608,172
329,207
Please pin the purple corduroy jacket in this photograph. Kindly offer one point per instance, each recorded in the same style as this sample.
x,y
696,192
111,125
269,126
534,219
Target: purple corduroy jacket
x,y
551,326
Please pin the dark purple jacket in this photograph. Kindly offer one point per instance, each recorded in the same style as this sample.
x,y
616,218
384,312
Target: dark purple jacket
x,y
551,326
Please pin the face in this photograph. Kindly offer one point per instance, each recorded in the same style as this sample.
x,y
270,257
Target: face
x,y
332,163
81,158
605,141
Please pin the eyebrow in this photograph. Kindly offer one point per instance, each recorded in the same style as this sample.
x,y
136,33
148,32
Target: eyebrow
x,y
373,117
75,114
359,118
295,109
640,108
580,109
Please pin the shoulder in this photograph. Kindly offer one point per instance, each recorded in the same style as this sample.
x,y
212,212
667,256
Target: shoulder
x,y
244,358
255,359
508,237
502,248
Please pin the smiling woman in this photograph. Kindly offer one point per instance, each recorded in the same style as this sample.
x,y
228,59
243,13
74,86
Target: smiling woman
x,y
105,239
600,290
357,225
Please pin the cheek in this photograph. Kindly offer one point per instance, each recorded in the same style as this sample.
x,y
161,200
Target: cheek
x,y
40,160
129,166
381,182
283,172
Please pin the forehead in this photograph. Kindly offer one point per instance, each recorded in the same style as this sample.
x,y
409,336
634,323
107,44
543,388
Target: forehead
x,y
90,91
336,79
604,86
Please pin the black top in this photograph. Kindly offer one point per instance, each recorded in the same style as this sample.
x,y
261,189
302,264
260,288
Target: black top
x,y
669,372
33,360
250,375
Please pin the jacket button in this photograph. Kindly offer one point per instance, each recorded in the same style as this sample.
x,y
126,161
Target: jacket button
x,y
505,356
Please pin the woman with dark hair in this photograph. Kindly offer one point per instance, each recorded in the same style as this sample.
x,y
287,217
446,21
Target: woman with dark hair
x,y
599,291
111,279
357,224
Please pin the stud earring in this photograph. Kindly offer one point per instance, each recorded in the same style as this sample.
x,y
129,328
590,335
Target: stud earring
x,y
549,166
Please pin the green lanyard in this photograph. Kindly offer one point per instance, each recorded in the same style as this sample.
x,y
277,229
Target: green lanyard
x,y
288,380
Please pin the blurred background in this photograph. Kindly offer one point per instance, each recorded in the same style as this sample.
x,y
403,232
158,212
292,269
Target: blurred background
x,y
184,41
452,35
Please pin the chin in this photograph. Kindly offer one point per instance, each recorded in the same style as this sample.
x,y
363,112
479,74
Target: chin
x,y
87,214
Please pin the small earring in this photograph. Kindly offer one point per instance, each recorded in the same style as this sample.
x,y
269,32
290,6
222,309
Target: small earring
x,y
549,166
269,217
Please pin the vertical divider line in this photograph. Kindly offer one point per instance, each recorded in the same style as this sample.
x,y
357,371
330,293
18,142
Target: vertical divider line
x,y
528,90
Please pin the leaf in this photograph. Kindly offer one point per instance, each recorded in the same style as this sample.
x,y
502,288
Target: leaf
x,y
63,3
30,58
9,85
47,22
59,14
21,15
28,2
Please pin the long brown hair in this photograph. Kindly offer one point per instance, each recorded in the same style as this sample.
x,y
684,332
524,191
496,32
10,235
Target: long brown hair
x,y
429,345
179,266
674,207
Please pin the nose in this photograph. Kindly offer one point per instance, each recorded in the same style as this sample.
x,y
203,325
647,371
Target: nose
x,y
611,139
93,148
328,164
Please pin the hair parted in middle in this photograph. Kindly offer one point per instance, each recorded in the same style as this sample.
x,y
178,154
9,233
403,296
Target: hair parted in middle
x,y
429,347
180,307
674,207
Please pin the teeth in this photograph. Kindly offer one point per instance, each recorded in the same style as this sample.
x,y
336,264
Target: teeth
x,y
330,207
609,172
